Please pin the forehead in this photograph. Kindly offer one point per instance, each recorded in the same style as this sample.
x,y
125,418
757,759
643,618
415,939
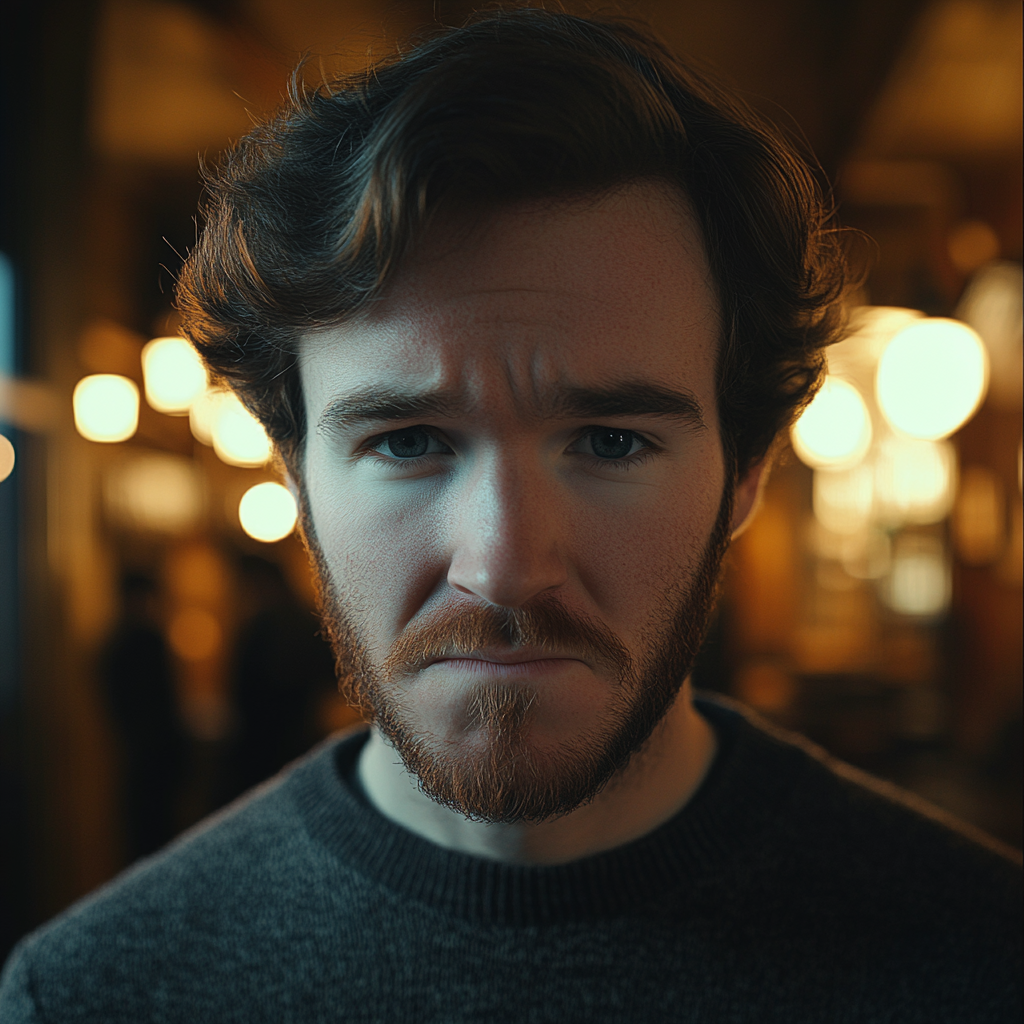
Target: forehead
x,y
540,296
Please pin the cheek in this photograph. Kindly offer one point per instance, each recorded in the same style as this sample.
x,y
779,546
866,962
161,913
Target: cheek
x,y
630,559
377,550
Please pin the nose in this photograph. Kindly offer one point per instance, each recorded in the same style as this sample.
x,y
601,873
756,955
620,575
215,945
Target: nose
x,y
505,543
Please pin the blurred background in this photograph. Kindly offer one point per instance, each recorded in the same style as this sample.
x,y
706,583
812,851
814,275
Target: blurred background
x,y
158,650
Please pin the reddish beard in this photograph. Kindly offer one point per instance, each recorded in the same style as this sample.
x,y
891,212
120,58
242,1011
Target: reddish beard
x,y
501,777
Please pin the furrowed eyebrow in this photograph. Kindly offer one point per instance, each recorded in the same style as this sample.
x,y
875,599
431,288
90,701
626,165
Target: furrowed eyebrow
x,y
379,405
631,398
628,398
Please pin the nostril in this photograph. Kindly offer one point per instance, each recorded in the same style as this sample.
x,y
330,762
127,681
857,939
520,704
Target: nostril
x,y
511,584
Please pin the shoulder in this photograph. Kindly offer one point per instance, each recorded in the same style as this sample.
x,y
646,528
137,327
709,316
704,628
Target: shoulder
x,y
185,909
873,891
838,827
884,828
844,807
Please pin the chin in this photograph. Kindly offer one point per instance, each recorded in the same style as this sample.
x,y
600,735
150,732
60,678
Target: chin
x,y
511,754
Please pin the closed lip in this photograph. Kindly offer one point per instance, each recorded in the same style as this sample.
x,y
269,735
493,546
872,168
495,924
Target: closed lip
x,y
520,656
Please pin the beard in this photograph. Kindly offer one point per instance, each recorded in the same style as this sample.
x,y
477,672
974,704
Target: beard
x,y
502,777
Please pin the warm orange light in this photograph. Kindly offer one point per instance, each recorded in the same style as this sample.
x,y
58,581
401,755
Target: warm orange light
x,y
979,516
203,412
993,304
6,458
834,431
915,481
195,634
972,244
174,375
156,491
919,582
106,407
267,512
931,378
238,437
843,499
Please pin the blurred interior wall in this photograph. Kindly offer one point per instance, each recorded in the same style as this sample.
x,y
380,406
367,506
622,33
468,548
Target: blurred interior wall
x,y
108,108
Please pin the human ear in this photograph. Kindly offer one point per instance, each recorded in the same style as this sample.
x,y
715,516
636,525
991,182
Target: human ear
x,y
747,499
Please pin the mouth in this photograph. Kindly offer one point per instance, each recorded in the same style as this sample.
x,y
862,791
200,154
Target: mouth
x,y
495,658
523,663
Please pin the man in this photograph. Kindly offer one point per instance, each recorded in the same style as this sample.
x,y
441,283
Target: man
x,y
523,312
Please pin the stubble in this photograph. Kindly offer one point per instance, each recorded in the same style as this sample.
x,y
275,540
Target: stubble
x,y
500,776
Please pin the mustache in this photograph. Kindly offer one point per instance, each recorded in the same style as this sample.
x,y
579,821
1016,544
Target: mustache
x,y
545,624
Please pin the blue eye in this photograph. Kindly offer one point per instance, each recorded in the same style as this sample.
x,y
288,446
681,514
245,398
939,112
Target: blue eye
x,y
410,443
612,444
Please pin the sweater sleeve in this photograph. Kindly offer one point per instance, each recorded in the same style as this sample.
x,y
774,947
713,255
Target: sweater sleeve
x,y
17,1004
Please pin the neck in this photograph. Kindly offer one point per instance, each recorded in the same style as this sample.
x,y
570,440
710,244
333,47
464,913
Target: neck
x,y
655,785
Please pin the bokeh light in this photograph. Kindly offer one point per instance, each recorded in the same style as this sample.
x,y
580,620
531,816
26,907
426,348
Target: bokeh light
x,y
919,582
6,457
931,378
267,512
156,492
979,517
238,437
202,413
834,431
843,499
993,304
194,634
915,481
866,555
106,407
174,375
972,244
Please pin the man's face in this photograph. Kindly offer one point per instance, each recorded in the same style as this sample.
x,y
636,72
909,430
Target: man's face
x,y
514,477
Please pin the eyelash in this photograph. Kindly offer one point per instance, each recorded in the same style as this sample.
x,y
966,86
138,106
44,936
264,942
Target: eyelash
x,y
369,448
638,458
630,462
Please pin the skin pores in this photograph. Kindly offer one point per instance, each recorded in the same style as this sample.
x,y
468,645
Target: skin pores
x,y
527,415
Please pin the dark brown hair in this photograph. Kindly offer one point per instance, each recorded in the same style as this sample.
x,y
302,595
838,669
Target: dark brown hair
x,y
309,215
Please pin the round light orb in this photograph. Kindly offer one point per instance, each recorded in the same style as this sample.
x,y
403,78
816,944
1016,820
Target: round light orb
x,y
267,512
202,413
919,582
931,378
834,431
106,407
6,457
155,492
174,375
238,437
915,481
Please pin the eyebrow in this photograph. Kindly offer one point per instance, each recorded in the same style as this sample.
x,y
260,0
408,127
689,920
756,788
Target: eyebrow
x,y
632,398
377,404
623,398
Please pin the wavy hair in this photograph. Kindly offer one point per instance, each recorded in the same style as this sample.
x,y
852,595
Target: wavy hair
x,y
308,216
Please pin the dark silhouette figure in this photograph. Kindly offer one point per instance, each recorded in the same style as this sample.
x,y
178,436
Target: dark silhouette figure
x,y
135,672
282,671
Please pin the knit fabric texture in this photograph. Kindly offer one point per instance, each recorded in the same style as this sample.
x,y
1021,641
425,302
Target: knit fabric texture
x,y
791,888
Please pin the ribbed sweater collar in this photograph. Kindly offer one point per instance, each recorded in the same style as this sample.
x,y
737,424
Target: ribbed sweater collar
x,y
724,818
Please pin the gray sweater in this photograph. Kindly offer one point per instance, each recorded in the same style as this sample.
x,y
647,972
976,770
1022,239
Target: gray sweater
x,y
791,888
